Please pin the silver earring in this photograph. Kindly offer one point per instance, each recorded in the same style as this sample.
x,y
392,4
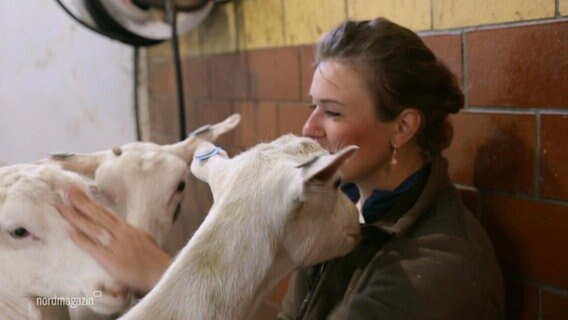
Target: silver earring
x,y
394,162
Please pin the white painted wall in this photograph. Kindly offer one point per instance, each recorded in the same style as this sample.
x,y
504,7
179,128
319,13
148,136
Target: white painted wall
x,y
62,86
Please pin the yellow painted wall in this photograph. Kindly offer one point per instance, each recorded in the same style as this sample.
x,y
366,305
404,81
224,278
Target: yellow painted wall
x,y
305,21
241,25
413,14
460,13
261,24
563,7
218,33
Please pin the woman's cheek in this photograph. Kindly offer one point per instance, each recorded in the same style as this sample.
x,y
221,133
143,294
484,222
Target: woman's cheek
x,y
348,171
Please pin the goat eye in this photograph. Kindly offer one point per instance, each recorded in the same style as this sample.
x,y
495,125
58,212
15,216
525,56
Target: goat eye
x,y
180,186
337,183
19,232
176,213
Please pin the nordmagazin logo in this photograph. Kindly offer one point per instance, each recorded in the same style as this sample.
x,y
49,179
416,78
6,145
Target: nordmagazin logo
x,y
71,302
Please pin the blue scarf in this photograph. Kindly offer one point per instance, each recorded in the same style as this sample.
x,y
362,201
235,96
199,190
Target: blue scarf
x,y
382,201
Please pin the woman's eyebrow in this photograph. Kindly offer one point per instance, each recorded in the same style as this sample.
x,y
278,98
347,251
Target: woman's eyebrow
x,y
328,101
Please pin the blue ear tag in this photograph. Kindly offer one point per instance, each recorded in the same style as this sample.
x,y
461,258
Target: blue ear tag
x,y
208,154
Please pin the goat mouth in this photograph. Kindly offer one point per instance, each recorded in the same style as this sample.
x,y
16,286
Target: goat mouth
x,y
106,304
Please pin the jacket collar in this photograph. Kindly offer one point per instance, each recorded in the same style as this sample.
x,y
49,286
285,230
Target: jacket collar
x,y
400,219
382,201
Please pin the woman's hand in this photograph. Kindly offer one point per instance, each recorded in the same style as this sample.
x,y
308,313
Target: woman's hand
x,y
130,255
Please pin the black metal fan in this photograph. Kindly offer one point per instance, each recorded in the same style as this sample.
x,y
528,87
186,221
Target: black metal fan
x,y
143,23
138,22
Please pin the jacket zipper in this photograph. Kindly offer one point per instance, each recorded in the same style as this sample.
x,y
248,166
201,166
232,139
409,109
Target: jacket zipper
x,y
310,294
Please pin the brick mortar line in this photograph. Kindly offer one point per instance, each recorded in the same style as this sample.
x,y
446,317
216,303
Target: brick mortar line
x,y
432,2
540,285
485,109
522,196
247,100
518,110
161,97
505,24
209,73
301,71
278,111
538,172
519,196
463,62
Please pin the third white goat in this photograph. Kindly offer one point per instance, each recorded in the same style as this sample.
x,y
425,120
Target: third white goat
x,y
276,208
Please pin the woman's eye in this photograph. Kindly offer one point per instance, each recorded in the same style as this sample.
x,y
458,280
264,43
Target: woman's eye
x,y
312,106
19,233
332,114
180,186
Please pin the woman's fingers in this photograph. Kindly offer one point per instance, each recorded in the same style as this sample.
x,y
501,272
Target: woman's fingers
x,y
130,255
80,223
91,209
132,258
85,243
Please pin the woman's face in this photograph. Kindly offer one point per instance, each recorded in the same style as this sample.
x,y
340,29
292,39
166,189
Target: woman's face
x,y
343,114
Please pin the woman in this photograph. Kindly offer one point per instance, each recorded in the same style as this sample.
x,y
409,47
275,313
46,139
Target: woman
x,y
423,256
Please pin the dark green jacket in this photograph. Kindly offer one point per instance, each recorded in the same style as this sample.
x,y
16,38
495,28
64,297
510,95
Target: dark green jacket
x,y
430,261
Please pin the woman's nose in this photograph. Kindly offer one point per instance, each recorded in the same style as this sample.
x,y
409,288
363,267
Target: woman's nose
x,y
312,127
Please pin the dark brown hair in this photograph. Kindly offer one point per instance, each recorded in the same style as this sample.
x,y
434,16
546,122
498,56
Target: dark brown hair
x,y
401,73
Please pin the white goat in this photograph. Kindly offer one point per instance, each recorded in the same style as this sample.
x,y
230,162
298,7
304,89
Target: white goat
x,y
141,181
269,217
38,258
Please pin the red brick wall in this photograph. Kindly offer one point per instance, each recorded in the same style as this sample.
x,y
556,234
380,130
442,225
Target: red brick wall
x,y
509,154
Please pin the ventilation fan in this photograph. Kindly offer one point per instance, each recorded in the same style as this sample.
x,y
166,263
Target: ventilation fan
x,y
143,23
138,22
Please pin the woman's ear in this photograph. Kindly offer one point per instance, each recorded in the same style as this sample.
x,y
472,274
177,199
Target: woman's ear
x,y
408,123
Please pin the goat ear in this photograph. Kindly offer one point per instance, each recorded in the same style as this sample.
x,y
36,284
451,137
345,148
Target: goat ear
x,y
186,148
208,159
323,168
84,164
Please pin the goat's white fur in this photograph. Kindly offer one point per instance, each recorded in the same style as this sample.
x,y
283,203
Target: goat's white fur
x,y
44,262
139,180
268,218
